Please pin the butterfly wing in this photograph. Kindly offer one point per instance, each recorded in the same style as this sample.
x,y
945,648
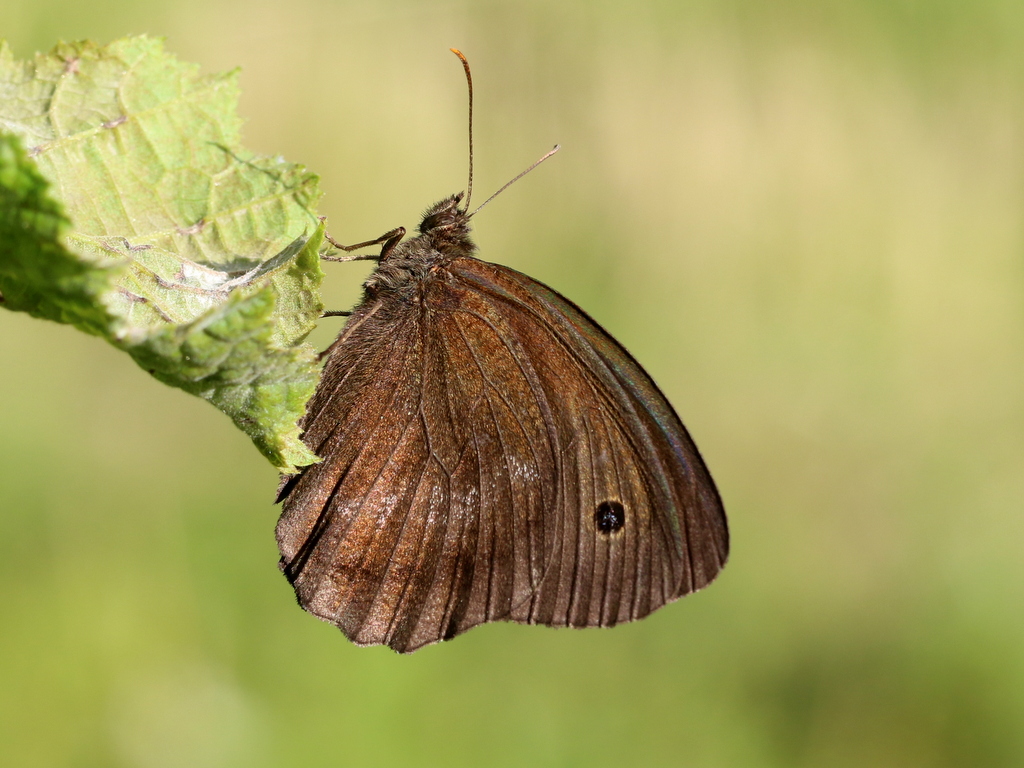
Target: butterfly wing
x,y
620,446
470,445
413,528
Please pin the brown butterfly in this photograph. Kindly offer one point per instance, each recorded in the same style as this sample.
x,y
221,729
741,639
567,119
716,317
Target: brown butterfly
x,y
490,453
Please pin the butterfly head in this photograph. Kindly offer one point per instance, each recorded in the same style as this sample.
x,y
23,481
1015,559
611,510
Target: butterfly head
x,y
445,214
446,225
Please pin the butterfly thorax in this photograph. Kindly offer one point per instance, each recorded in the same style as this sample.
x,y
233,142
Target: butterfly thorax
x,y
444,237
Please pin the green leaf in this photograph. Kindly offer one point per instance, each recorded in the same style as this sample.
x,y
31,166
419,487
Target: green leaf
x,y
129,209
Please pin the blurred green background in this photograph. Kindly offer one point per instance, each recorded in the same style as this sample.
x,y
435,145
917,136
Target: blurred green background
x,y
804,217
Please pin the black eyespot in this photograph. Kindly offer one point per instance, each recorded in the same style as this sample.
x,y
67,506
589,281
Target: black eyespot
x,y
609,517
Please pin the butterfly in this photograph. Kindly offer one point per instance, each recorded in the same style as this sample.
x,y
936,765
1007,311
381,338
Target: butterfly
x,y
490,453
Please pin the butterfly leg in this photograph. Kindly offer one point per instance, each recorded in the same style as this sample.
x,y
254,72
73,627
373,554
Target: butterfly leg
x,y
333,313
389,239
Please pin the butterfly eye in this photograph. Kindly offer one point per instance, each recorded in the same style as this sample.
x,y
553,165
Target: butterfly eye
x,y
609,517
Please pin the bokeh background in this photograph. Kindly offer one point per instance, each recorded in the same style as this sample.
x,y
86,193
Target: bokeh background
x,y
803,216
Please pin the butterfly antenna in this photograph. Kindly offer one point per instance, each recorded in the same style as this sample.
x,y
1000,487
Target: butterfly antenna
x,y
469,82
517,178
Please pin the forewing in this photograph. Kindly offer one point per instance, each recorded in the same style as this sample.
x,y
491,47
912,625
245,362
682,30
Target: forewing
x,y
618,442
